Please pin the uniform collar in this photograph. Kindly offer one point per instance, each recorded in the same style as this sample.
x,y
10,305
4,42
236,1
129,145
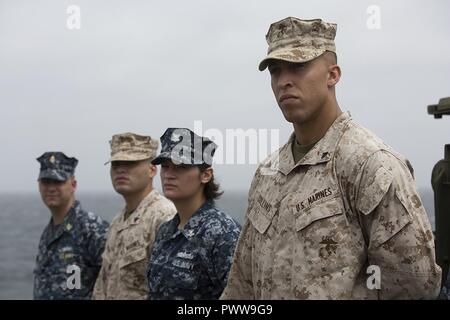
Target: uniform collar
x,y
136,216
193,225
66,226
320,153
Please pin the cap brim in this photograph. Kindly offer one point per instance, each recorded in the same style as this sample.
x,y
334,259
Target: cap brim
x,y
294,55
161,157
122,157
51,175
175,160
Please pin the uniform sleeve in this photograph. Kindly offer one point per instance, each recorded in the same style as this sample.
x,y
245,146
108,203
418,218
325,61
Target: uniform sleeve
x,y
163,213
97,241
240,279
223,252
100,288
400,238
240,284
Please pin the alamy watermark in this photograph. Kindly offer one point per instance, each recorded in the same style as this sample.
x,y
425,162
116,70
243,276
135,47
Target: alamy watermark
x,y
235,146
241,146
374,280
74,280
73,21
374,19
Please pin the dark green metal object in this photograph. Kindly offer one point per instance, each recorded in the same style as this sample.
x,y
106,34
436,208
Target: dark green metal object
x,y
440,180
440,109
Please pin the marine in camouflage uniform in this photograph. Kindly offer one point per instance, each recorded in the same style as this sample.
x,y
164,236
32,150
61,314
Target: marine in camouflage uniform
x,y
132,233
78,241
315,226
191,261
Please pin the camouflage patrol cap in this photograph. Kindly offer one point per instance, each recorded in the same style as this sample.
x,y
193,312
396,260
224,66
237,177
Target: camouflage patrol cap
x,y
132,147
56,166
296,40
183,146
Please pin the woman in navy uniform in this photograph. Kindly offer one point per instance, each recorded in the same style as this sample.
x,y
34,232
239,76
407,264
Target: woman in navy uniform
x,y
193,252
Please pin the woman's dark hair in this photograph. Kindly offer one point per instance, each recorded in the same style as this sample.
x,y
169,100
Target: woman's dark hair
x,y
212,188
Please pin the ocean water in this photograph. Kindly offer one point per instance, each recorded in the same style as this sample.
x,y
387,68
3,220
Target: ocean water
x,y
24,216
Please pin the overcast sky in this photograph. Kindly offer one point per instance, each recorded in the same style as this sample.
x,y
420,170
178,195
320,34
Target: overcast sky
x,y
143,66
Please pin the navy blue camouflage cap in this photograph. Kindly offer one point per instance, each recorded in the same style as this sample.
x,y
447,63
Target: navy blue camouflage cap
x,y
183,146
56,166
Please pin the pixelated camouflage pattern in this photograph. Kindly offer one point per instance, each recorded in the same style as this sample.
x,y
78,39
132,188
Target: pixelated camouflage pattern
x,y
314,228
132,147
56,166
79,241
297,40
124,270
445,292
183,146
193,263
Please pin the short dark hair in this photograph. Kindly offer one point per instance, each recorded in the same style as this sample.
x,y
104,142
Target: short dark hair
x,y
332,56
211,190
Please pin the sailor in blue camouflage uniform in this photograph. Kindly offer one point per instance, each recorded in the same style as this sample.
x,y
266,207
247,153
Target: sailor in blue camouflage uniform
x,y
70,248
193,251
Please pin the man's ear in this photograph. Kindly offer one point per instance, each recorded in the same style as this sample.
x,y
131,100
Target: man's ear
x,y
206,175
334,75
153,170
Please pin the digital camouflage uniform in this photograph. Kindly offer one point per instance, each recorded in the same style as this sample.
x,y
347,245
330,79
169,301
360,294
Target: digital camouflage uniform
x,y
445,292
313,228
127,252
130,239
79,241
191,263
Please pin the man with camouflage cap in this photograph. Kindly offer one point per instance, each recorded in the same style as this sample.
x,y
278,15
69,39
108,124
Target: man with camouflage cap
x,y
132,232
334,213
71,245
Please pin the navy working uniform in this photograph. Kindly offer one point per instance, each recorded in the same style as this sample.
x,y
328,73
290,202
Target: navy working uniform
x,y
74,246
192,262
445,292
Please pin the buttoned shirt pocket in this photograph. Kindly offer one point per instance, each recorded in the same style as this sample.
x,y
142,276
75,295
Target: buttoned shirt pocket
x,y
318,212
133,257
176,276
327,242
378,196
261,220
133,267
185,273
394,216
261,214
373,191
